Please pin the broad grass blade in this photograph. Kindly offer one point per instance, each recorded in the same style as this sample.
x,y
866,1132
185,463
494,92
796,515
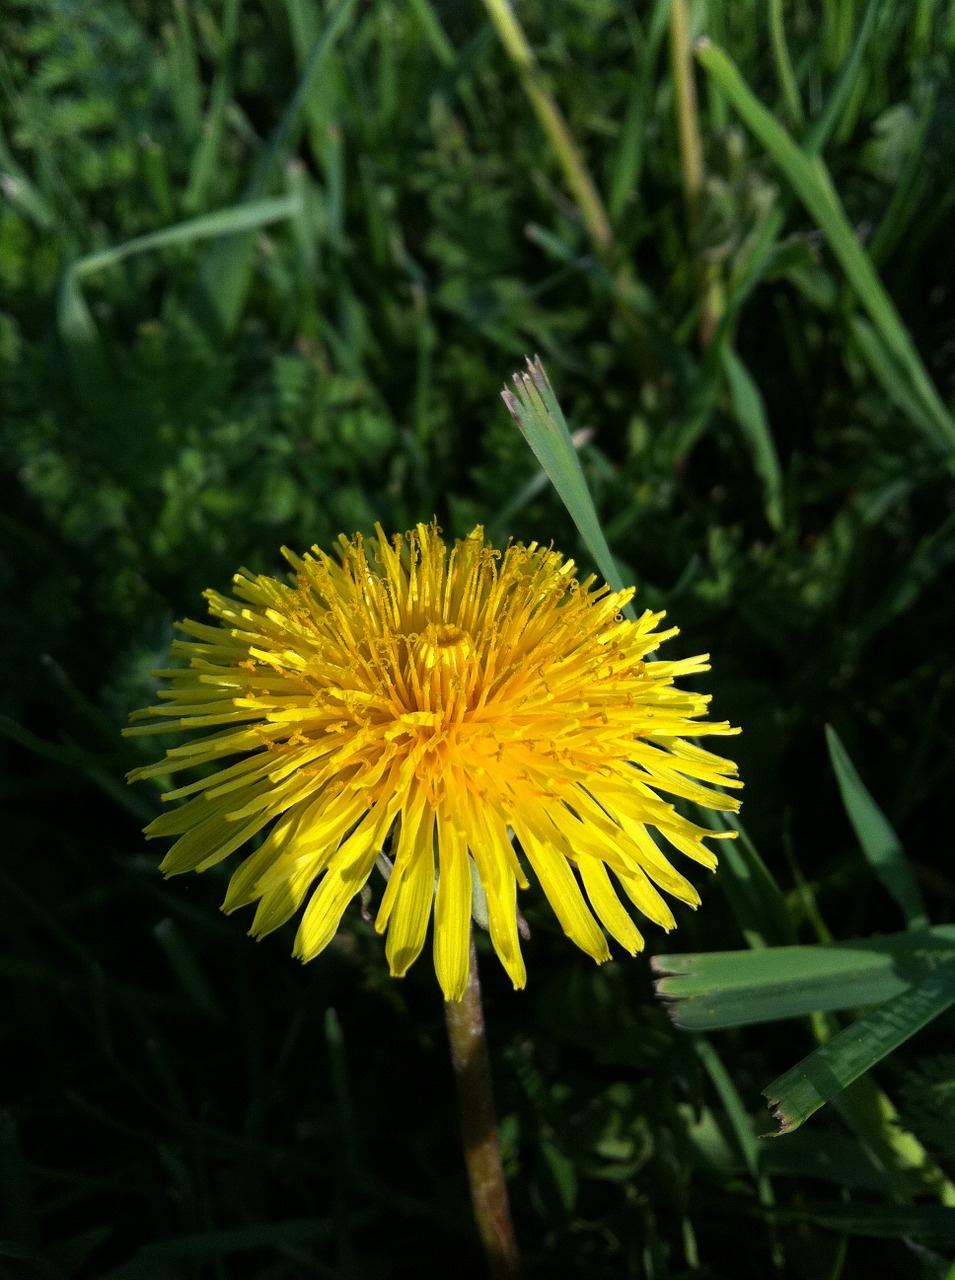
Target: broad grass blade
x,y
741,988
824,1073
534,408
879,359
879,842
810,181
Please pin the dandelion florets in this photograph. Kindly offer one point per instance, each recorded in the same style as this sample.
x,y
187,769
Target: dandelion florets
x,y
465,712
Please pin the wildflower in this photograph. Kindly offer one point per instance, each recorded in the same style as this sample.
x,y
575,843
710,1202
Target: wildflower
x,y
450,702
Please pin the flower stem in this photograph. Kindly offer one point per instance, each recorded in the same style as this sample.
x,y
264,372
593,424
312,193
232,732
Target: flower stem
x,y
482,1150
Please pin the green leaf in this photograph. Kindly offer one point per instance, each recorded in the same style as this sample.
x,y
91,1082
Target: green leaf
x,y
879,842
824,1073
541,421
740,988
810,180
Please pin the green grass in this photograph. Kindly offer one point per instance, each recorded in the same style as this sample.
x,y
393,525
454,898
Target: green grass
x,y
264,270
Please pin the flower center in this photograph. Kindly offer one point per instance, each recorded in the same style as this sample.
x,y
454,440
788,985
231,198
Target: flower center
x,y
444,646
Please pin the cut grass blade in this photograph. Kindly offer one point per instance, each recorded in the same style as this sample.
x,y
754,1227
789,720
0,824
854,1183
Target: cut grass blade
x,y
824,1073
741,988
810,181
541,421
880,844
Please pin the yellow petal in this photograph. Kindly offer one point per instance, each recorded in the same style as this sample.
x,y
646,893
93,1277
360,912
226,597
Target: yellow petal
x,y
607,905
563,893
452,910
492,853
348,869
413,896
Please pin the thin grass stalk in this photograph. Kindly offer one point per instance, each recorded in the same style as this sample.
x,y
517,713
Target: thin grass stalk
x,y
554,125
478,1121
709,289
784,67
572,165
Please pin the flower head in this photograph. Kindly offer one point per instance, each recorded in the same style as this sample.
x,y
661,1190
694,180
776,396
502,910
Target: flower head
x,y
474,712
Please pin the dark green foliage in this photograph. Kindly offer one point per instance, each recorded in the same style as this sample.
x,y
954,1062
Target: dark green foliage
x,y
179,1102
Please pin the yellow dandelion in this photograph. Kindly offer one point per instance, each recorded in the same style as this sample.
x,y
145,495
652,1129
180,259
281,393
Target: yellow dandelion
x,y
451,713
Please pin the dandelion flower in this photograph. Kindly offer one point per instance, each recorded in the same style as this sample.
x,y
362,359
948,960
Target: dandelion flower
x,y
463,712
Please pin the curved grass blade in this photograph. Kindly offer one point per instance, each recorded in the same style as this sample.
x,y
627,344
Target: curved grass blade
x,y
824,1073
534,408
879,842
78,332
740,988
223,222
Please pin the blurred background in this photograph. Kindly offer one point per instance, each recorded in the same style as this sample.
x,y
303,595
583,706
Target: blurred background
x,y
265,266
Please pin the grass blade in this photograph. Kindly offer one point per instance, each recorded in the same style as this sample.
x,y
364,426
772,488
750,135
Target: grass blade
x,y
810,181
741,988
877,356
881,1221
785,74
755,899
750,413
823,128
223,222
227,269
823,1074
879,842
541,421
